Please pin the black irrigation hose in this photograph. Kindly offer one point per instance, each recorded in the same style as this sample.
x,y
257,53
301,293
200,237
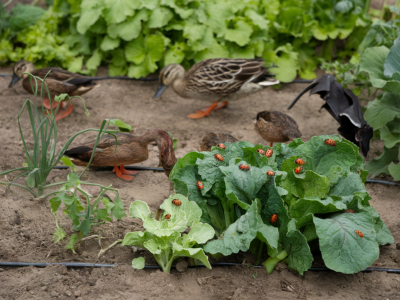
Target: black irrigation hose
x,y
81,265
161,170
156,79
137,168
381,182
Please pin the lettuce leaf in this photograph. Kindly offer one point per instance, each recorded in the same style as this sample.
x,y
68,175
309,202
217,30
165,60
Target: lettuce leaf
x,y
163,237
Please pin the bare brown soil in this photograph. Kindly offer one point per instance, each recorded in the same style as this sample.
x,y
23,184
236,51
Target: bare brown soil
x,y
26,226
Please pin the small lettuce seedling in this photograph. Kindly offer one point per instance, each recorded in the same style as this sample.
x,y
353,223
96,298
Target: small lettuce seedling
x,y
164,238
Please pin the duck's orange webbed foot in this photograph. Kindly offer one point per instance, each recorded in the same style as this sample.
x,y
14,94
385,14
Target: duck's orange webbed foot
x,y
205,112
218,106
46,104
124,171
121,175
63,113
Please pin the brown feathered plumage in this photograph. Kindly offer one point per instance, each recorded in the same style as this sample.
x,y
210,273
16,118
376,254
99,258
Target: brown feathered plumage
x,y
130,149
58,81
217,79
276,127
213,139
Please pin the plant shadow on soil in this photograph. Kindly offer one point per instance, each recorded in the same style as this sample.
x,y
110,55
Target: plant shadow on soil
x,y
26,226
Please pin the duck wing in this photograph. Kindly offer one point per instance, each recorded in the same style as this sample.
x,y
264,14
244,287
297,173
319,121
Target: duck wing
x,y
105,147
223,76
57,74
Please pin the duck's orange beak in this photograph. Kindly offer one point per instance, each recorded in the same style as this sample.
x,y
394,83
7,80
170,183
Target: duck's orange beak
x,y
161,88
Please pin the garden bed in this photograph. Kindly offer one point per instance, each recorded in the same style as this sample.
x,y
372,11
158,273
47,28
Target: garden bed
x,y
27,226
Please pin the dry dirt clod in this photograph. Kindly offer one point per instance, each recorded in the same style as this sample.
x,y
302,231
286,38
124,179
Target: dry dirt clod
x,y
204,280
236,294
285,286
182,266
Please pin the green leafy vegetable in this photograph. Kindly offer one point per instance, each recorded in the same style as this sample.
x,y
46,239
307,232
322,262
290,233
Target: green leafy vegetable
x,y
163,237
81,35
239,203
383,113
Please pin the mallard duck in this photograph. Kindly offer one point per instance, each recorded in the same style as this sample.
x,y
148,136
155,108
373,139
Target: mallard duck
x,y
276,127
213,139
215,80
58,81
130,149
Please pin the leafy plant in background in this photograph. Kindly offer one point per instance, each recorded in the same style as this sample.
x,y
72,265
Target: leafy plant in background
x,y
377,72
43,158
137,38
383,113
167,239
381,33
32,33
310,206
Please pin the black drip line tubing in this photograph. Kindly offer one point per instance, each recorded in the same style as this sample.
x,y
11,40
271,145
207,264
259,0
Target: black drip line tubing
x,y
156,79
138,168
82,265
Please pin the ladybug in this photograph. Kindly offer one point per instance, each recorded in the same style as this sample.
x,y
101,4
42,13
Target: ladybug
x,y
270,173
261,151
360,234
219,157
269,152
222,146
274,218
244,167
167,217
298,170
330,142
350,211
200,185
176,202
299,161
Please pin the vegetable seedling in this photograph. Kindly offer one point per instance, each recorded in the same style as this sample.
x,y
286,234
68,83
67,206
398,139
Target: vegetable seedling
x,y
166,238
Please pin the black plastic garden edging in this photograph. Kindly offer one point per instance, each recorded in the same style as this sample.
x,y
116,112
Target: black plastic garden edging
x,y
82,265
138,168
162,170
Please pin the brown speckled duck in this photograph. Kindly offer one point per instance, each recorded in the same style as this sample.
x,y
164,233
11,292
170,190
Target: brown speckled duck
x,y
130,149
213,139
276,127
58,81
214,80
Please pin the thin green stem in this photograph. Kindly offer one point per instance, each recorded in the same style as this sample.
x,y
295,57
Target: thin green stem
x,y
54,184
7,3
366,8
19,185
271,262
9,171
260,252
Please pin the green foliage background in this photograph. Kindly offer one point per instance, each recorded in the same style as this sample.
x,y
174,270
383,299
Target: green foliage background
x,y
374,68
136,38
